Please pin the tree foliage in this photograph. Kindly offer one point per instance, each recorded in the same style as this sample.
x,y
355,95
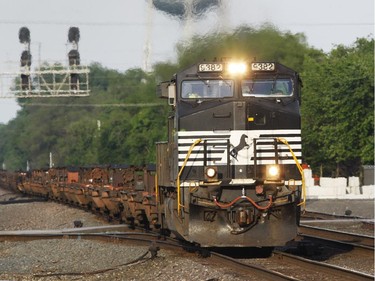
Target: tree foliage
x,y
338,108
103,128
246,43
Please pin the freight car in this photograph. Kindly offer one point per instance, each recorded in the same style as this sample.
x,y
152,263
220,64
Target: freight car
x,y
229,174
8,181
120,192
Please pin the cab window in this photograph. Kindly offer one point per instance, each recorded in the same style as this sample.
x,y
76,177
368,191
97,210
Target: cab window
x,y
278,87
207,89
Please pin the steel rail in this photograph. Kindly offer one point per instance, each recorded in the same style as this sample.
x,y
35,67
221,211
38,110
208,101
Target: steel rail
x,y
312,215
21,201
357,242
321,267
264,273
346,237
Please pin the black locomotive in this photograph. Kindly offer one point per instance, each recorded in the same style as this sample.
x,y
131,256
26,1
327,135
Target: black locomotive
x,y
229,174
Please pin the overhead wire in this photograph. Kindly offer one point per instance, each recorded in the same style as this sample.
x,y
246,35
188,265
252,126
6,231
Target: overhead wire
x,y
122,23
94,105
93,23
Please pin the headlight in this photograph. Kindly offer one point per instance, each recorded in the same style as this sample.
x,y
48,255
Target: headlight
x,y
273,172
237,68
211,173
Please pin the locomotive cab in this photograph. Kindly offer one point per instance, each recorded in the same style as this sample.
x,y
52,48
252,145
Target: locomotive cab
x,y
232,174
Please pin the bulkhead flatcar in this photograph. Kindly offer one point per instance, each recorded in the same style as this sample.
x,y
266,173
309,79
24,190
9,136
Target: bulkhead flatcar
x,y
229,174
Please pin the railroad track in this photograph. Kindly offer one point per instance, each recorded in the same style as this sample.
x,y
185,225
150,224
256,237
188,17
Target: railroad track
x,y
280,266
341,237
155,241
309,215
331,242
284,266
314,248
315,268
288,266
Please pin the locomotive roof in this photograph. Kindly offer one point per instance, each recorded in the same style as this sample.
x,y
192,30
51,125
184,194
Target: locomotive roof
x,y
219,69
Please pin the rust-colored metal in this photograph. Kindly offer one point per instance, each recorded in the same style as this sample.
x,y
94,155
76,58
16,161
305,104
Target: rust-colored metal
x,y
126,193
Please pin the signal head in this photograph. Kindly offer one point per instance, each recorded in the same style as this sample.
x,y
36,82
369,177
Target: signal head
x,y
25,58
24,35
73,35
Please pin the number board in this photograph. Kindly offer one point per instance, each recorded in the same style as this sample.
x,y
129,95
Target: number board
x,y
263,66
210,67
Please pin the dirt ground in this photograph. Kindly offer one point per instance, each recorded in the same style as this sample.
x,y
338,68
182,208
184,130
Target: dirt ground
x,y
361,208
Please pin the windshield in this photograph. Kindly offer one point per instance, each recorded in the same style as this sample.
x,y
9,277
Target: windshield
x,y
278,87
207,89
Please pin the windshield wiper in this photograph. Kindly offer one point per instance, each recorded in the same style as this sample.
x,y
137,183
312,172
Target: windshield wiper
x,y
225,81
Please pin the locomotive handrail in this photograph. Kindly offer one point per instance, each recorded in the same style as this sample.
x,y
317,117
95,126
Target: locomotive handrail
x,y
179,205
300,169
156,189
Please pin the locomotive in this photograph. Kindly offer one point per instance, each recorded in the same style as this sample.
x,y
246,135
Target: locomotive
x,y
229,174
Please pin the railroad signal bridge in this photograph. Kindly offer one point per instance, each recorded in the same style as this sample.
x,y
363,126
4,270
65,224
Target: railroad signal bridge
x,y
55,80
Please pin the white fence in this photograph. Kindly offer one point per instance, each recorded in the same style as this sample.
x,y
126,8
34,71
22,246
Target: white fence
x,y
337,188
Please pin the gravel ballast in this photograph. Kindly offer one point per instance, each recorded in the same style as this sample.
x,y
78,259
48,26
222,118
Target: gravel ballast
x,y
80,259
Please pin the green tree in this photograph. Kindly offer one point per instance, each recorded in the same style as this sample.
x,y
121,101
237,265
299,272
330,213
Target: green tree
x,y
266,43
338,109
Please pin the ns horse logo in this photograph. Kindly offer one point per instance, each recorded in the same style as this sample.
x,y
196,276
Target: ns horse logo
x,y
242,145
